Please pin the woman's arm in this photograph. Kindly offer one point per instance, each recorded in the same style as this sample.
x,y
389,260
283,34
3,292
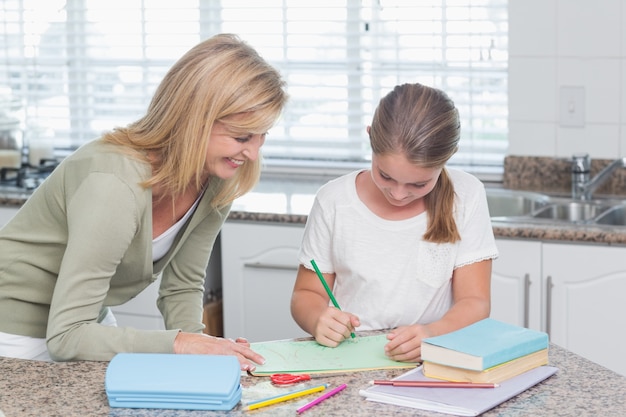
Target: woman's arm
x,y
102,221
182,285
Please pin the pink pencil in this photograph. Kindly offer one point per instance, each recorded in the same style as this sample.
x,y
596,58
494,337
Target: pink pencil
x,y
434,384
321,398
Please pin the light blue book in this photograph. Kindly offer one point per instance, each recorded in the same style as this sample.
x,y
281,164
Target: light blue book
x,y
162,380
483,345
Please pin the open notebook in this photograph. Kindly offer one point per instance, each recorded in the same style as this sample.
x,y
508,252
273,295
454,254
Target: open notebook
x,y
358,354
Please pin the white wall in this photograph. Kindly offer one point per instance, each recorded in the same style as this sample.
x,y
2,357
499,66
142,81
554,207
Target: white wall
x,y
556,43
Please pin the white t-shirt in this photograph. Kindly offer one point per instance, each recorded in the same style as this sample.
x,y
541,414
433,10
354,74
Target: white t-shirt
x,y
386,273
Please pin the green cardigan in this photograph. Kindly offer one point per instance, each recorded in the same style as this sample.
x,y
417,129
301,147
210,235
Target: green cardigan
x,y
83,242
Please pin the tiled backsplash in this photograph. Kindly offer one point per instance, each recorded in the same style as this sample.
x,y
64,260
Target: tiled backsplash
x,y
553,175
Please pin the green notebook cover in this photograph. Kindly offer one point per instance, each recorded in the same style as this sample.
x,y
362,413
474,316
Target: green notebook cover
x,y
482,345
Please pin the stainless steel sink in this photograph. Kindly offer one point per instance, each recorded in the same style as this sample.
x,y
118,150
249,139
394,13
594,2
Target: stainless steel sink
x,y
518,206
571,211
514,203
616,216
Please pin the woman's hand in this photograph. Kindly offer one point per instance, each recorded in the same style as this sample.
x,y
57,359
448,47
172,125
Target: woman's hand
x,y
334,326
200,343
405,343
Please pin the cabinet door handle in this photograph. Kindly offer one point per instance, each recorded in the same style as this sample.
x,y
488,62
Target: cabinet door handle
x,y
549,286
259,265
526,300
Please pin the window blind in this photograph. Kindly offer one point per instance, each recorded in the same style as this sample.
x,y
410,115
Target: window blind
x,y
79,67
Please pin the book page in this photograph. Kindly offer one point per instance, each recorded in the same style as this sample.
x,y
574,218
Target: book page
x,y
290,356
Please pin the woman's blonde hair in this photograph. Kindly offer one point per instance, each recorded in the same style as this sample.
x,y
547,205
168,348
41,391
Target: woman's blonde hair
x,y
423,124
218,79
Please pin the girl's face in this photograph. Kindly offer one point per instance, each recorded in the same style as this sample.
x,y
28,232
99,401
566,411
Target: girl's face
x,y
228,150
400,181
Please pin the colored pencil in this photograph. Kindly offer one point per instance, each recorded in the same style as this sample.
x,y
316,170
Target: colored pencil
x,y
253,405
328,291
321,398
435,384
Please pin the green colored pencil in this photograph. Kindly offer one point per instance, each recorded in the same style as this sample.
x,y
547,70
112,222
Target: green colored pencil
x,y
328,291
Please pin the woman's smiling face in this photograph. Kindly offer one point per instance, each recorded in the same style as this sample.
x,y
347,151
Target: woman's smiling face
x,y
229,149
400,181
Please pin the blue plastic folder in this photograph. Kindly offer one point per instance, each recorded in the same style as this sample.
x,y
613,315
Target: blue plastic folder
x,y
161,380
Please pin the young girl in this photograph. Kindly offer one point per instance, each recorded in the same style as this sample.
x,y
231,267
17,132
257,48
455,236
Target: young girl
x,y
406,245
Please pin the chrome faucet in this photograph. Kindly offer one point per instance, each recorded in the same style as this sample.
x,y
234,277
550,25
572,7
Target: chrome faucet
x,y
583,185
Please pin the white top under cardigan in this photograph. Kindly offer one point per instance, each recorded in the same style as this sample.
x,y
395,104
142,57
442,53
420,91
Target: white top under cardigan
x,y
163,243
386,273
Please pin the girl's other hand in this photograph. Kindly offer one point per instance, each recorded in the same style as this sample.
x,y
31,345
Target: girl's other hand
x,y
405,343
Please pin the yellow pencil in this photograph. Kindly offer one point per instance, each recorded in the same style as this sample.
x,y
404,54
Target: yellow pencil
x,y
284,397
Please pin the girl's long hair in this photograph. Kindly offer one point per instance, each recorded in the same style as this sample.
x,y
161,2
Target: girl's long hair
x,y
423,124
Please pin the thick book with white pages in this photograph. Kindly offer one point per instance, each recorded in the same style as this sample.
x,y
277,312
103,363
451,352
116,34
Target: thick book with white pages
x,y
495,374
456,401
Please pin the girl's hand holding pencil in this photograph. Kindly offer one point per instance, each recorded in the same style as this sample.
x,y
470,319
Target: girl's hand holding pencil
x,y
335,326
333,319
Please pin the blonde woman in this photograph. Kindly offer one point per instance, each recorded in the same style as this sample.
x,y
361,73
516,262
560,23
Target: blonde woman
x,y
406,245
143,201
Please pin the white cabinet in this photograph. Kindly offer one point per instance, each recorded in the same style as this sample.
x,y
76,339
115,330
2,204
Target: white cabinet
x,y
574,292
585,290
259,266
516,283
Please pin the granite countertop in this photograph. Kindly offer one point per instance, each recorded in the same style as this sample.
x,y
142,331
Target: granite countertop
x,y
33,388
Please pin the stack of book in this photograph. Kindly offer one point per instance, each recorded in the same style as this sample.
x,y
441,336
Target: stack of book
x,y
487,351
510,359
